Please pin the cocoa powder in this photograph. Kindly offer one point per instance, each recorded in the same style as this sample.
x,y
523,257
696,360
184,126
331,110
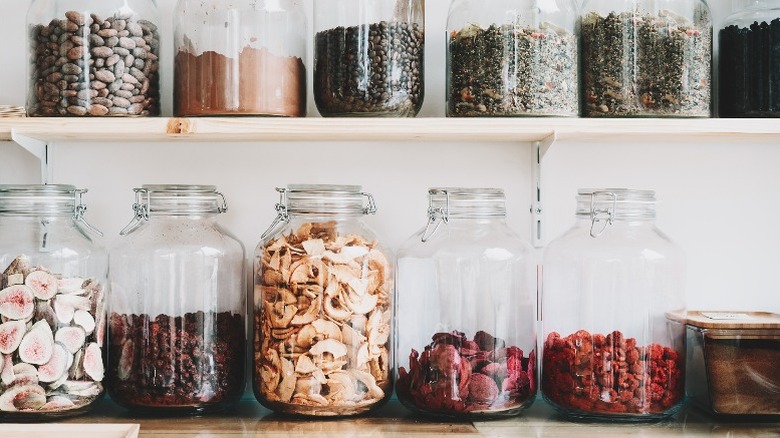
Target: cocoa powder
x,y
257,83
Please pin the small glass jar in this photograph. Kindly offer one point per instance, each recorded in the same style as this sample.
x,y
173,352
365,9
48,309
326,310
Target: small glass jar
x,y
750,61
243,58
646,58
52,289
609,286
512,58
176,332
466,310
323,306
90,58
368,57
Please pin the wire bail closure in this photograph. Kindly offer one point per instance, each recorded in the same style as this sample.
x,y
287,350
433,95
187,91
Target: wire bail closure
x,y
79,209
141,210
436,216
282,215
602,217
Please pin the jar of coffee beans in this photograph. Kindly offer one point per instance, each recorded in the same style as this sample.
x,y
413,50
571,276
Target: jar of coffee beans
x,y
176,332
517,59
644,58
368,57
91,58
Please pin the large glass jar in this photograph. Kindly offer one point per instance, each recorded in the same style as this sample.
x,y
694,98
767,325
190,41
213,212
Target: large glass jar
x,y
750,61
646,58
512,58
609,284
176,332
323,305
52,288
368,57
466,310
240,57
93,58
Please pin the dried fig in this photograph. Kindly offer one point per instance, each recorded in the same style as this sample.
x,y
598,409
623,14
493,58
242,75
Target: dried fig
x,y
17,302
38,344
71,337
93,362
85,320
70,286
7,374
22,397
56,366
58,403
11,334
42,283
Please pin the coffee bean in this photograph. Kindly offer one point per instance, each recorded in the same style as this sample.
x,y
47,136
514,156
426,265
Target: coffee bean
x,y
76,53
112,41
124,94
106,33
97,110
77,110
121,51
97,85
96,41
102,52
71,69
121,101
75,17
105,76
119,68
135,29
115,110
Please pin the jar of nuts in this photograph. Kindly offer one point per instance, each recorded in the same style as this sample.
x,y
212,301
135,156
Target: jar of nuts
x,y
90,58
323,306
52,288
176,324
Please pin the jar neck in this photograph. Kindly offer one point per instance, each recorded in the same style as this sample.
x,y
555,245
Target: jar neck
x,y
462,203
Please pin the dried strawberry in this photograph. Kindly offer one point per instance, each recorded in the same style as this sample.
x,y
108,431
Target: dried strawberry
x,y
482,389
487,342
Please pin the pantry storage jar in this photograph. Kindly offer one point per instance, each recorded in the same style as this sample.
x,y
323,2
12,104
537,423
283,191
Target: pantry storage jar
x,y
89,58
610,353
368,57
466,310
241,57
176,330
52,291
323,305
515,58
646,58
750,61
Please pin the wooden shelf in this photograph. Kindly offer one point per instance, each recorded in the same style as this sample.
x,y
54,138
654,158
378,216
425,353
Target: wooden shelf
x,y
249,419
241,129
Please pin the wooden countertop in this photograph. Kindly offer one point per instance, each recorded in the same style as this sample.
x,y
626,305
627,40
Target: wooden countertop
x,y
249,419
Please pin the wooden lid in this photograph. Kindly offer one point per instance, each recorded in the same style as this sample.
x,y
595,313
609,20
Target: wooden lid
x,y
727,319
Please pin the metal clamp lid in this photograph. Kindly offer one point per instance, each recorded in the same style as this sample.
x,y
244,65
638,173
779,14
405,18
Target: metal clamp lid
x,y
282,215
436,216
603,217
142,207
79,209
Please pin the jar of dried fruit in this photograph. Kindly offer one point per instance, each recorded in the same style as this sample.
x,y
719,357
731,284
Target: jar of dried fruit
x,y
52,290
646,58
608,285
90,58
368,57
514,58
466,310
176,333
323,305
243,57
750,60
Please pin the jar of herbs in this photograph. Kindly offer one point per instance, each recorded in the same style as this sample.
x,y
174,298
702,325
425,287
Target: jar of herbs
x,y
512,59
368,57
466,310
750,61
643,58
243,58
90,58
612,350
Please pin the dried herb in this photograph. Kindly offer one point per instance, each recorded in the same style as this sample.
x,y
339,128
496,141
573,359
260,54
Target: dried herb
x,y
510,70
646,65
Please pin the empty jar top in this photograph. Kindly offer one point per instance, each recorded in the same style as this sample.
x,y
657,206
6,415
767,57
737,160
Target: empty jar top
x,y
327,199
34,199
180,199
617,203
460,202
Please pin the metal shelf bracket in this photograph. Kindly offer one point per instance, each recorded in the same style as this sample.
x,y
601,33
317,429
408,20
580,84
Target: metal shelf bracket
x,y
539,150
39,149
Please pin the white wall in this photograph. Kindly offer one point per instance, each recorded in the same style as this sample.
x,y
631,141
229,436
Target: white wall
x,y
719,201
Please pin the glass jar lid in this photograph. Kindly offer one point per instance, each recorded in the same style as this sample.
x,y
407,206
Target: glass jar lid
x,y
445,203
36,199
603,206
174,200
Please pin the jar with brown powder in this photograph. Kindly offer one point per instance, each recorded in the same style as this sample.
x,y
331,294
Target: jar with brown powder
x,y
241,57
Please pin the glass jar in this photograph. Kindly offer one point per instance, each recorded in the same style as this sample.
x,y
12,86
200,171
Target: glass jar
x,y
323,305
750,61
512,58
89,58
646,58
52,290
466,310
242,57
609,284
368,57
176,332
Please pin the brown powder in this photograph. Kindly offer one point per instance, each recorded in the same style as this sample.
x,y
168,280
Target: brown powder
x,y
258,83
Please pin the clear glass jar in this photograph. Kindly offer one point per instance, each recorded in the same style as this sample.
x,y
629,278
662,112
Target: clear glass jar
x,y
646,58
323,305
609,284
466,310
750,61
368,57
512,58
176,332
52,290
90,58
241,57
